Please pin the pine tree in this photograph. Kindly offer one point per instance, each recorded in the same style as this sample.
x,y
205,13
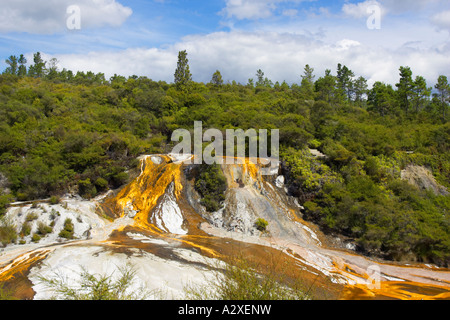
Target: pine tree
x,y
183,76
12,61
22,68
405,88
443,88
360,89
307,84
217,78
260,77
326,87
345,81
421,93
38,69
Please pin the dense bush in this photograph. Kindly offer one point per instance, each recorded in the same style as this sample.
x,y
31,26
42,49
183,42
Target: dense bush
x,y
67,231
211,184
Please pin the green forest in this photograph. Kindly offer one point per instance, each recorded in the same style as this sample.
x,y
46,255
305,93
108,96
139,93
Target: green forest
x,y
62,132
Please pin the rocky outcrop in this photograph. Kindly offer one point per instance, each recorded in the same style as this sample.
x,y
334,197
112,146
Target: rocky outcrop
x,y
423,179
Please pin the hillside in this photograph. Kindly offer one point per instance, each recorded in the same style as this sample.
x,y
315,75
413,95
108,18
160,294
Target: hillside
x,y
82,134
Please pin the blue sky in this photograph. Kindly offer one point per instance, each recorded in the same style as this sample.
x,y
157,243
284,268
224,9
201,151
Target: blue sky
x,y
236,37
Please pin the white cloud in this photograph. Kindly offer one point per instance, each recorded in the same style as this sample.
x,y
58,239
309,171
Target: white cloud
x,y
361,9
281,56
290,12
48,17
248,9
401,6
442,20
256,9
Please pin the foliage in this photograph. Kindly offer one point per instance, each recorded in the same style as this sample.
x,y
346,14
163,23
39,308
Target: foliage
x,y
261,224
97,287
211,184
61,130
8,232
239,279
68,230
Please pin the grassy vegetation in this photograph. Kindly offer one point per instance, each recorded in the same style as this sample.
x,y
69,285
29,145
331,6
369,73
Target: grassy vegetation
x,y
241,279
8,232
97,286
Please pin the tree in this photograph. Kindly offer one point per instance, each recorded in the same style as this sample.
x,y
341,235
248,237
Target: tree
x,y
360,89
22,68
405,88
307,85
263,81
421,93
52,70
443,88
326,87
183,76
217,78
38,69
12,61
345,81
260,77
381,98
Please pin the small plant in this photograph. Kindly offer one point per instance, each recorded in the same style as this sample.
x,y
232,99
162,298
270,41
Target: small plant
x,y
8,232
261,224
54,214
31,217
68,230
98,287
26,229
44,229
36,238
242,279
55,200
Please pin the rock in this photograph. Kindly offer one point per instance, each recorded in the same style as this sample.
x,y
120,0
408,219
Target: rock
x,y
423,179
280,181
317,154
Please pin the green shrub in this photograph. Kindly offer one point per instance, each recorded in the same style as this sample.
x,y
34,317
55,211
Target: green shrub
x,y
36,238
55,200
26,229
31,217
241,279
87,189
8,232
68,231
211,184
101,184
5,200
43,229
261,224
99,287
119,179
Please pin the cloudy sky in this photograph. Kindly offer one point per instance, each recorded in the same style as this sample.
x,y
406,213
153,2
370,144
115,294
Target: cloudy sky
x,y
237,37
